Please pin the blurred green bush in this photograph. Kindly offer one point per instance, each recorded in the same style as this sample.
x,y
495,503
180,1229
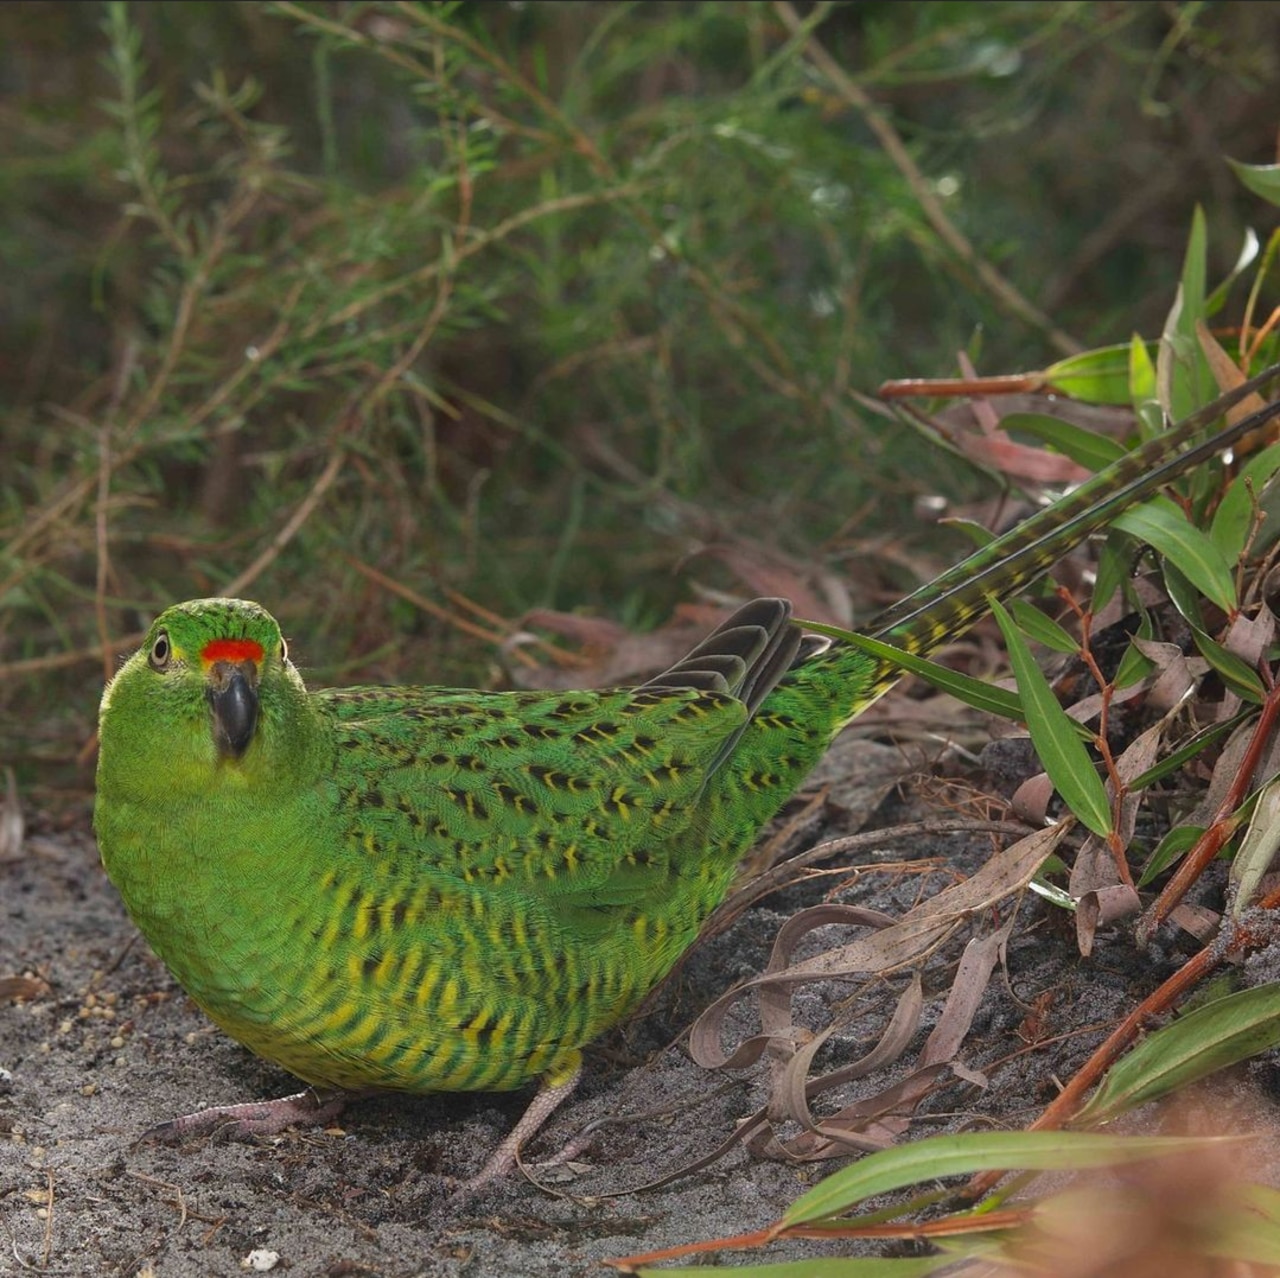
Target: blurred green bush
x,y
530,300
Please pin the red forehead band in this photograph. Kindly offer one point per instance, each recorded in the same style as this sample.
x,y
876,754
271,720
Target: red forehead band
x,y
233,650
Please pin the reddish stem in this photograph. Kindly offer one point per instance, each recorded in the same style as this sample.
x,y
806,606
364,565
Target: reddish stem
x,y
1223,825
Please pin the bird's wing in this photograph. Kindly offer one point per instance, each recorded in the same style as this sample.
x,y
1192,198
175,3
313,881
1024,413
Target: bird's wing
x,y
546,793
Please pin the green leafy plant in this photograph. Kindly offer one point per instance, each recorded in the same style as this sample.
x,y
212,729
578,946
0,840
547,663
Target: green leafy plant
x,y
1208,547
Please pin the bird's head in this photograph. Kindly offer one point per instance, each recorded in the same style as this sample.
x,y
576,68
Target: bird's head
x,y
211,682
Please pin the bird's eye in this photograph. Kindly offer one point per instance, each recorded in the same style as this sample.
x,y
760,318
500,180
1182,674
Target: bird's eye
x,y
160,652
284,650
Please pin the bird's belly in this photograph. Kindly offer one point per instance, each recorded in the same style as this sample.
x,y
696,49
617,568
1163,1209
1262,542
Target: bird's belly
x,y
348,1012
355,976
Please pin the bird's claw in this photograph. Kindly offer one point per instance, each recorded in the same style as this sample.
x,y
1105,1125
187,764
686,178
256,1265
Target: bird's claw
x,y
251,1120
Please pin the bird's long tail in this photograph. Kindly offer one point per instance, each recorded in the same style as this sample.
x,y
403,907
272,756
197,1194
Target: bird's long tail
x,y
938,612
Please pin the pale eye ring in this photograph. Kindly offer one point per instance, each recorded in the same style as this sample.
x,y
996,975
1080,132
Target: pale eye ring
x,y
160,652
284,650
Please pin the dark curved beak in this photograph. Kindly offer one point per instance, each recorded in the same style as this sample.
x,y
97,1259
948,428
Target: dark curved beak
x,y
233,697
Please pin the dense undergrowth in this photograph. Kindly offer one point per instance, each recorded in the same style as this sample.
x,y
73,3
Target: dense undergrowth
x,y
536,302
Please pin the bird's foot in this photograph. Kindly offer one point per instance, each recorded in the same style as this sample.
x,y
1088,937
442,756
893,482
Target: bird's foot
x,y
256,1118
505,1157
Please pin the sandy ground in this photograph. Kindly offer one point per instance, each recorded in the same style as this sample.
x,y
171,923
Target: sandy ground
x,y
112,1046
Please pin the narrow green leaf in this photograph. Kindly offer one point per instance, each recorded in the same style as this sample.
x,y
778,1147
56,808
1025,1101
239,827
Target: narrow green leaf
x,y
1142,374
1199,743
1212,1037
1195,281
1182,372
1085,447
1115,565
1234,516
973,692
1241,678
1240,1236
1053,894
977,533
1261,179
1162,524
1135,665
1151,419
1098,377
816,1267
1248,254
924,1161
1054,734
1173,847
1184,597
1258,848
1133,668
1042,628
1264,1199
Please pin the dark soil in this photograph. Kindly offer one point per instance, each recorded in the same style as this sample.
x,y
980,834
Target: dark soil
x,y
111,1046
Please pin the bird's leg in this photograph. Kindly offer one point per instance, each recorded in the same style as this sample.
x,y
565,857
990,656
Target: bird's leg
x,y
256,1118
550,1096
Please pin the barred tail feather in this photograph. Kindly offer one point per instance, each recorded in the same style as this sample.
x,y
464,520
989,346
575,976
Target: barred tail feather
x,y
949,605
